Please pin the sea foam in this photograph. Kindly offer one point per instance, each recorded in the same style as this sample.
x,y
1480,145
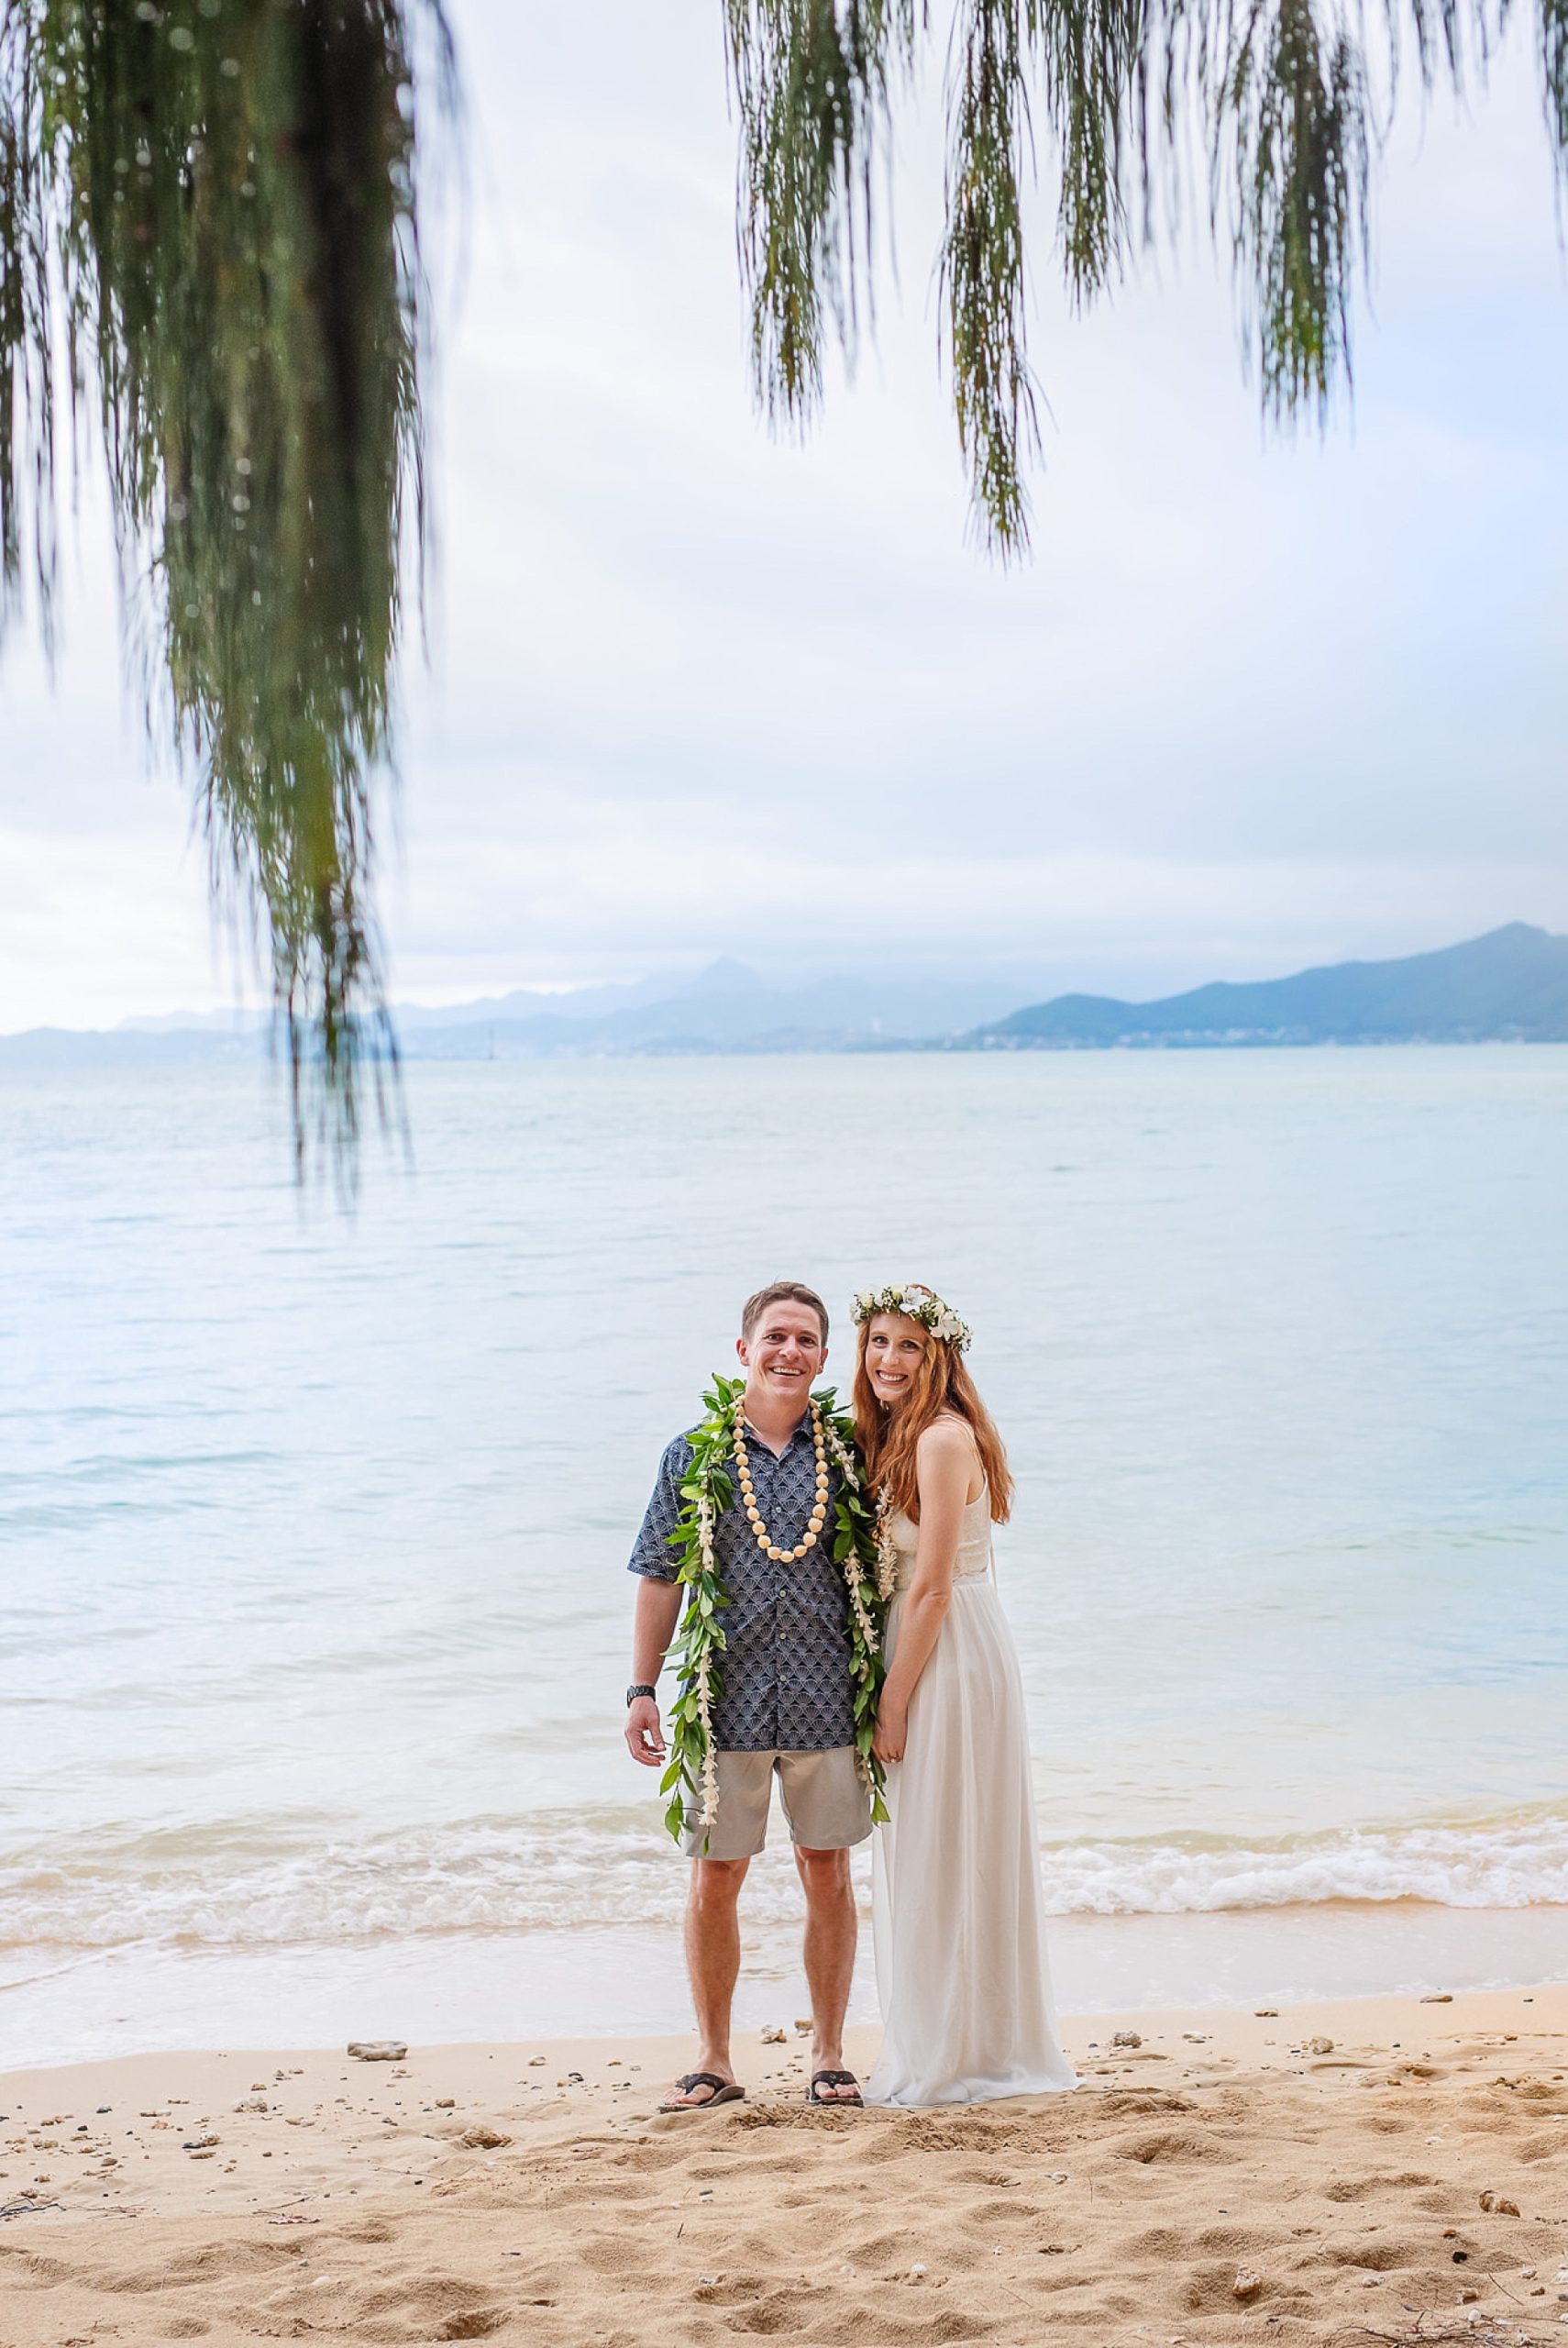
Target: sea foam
x,y
488,1877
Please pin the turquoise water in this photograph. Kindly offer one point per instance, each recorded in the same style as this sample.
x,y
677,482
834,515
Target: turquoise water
x,y
313,1609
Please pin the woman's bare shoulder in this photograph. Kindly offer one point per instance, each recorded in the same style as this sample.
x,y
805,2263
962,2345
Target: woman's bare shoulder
x,y
948,1437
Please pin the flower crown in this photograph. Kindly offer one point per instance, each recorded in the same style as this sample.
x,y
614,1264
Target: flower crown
x,y
922,1305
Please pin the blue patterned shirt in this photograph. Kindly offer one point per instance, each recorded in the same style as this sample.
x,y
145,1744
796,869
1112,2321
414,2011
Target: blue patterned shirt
x,y
785,1668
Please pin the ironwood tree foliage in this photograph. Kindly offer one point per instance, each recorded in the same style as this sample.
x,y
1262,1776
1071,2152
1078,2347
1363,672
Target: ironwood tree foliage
x,y
208,225
1276,107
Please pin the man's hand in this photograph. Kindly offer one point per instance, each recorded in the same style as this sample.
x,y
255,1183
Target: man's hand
x,y
645,1738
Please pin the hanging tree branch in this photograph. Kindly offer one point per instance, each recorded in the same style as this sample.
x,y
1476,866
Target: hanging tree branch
x,y
983,269
1275,96
811,85
1090,56
209,210
1301,156
1554,75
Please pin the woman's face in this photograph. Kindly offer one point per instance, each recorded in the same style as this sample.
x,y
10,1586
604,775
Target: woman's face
x,y
894,1348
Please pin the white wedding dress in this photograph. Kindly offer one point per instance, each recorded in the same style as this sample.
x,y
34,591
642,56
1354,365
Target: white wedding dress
x,y
957,1908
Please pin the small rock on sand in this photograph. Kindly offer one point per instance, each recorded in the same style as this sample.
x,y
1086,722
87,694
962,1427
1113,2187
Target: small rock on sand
x,y
1439,1998
1247,2284
1500,2206
1127,2038
1320,2047
378,2049
772,2037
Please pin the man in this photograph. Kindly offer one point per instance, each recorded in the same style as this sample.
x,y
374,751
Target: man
x,y
786,1710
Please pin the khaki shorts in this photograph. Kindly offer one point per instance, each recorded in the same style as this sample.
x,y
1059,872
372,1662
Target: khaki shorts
x,y
824,1798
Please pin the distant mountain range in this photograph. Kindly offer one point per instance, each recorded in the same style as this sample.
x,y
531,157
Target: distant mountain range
x,y
574,1003
1511,985
727,1008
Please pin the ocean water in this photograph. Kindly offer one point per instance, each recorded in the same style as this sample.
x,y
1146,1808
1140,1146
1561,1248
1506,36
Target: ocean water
x,y
313,1609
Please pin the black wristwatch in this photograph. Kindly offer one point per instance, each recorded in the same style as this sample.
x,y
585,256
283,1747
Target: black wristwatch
x,y
633,1693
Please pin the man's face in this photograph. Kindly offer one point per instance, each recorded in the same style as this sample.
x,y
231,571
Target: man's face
x,y
784,1352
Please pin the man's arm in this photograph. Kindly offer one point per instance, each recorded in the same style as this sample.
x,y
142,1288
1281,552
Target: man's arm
x,y
658,1601
653,1627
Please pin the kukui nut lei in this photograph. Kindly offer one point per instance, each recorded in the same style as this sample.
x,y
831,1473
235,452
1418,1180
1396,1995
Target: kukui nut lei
x,y
748,1495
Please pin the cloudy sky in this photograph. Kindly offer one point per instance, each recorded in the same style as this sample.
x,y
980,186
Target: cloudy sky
x,y
695,692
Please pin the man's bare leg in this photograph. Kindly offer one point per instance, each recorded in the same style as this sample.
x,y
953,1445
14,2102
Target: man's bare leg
x,y
712,1964
830,1926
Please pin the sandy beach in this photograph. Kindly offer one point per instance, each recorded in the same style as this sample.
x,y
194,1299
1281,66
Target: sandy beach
x,y
1386,2168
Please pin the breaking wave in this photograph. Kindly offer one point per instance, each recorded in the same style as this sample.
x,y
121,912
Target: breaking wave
x,y
209,1889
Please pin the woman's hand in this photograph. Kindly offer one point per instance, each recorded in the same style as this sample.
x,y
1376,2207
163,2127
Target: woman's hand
x,y
891,1730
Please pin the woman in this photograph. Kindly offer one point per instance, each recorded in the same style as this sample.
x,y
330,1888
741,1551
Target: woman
x,y
956,1906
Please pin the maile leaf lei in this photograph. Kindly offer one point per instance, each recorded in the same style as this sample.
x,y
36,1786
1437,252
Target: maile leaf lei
x,y
691,1781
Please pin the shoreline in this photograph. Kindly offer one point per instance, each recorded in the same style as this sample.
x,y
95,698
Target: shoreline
x,y
1223,2179
1264,2037
64,2005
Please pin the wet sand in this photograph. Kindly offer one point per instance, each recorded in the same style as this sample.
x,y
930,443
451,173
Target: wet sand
x,y
1223,2179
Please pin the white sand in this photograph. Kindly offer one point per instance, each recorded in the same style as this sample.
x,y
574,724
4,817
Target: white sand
x,y
1229,2185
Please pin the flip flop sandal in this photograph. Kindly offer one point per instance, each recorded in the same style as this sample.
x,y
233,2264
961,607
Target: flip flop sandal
x,y
835,2080
724,2091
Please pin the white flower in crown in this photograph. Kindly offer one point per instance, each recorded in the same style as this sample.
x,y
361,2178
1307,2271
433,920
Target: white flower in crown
x,y
918,1303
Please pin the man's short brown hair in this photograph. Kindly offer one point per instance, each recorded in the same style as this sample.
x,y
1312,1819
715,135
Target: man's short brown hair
x,y
778,1292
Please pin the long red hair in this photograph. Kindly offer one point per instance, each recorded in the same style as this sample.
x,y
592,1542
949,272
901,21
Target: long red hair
x,y
889,1439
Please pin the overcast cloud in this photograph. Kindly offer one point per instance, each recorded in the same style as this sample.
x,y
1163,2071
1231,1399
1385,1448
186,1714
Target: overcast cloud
x,y
697,692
